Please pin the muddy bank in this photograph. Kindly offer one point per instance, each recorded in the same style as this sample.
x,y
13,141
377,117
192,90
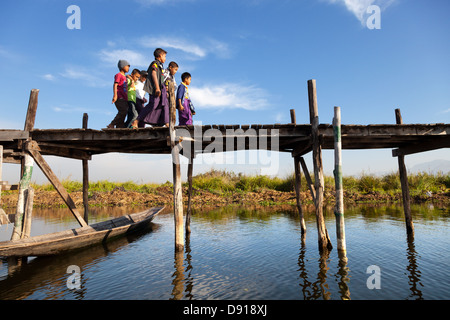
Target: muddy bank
x,y
163,196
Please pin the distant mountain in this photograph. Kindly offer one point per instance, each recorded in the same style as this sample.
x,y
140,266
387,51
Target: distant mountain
x,y
434,166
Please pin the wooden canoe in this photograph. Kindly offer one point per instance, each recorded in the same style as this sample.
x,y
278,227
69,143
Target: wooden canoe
x,y
63,241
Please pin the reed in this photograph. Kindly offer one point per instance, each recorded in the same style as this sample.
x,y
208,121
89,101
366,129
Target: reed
x,y
224,181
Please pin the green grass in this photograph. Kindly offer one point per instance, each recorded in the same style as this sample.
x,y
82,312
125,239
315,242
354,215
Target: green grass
x,y
224,182
365,183
99,186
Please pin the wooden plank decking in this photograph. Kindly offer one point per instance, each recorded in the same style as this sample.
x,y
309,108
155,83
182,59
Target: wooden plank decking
x,y
294,138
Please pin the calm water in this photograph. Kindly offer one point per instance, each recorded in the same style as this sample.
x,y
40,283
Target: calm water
x,y
238,254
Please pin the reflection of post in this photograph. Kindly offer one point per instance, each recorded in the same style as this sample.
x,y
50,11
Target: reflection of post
x,y
177,188
303,275
344,280
178,276
339,209
324,239
322,277
189,280
414,274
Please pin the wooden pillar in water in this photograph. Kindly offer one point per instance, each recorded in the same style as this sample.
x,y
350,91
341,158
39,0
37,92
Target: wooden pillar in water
x,y
324,239
189,208
26,169
2,213
85,177
177,188
298,182
29,121
21,202
28,215
405,187
339,209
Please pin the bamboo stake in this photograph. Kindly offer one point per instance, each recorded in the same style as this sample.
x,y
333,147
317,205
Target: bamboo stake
x,y
298,183
23,186
293,120
308,179
189,209
85,177
405,187
324,239
28,214
339,209
177,188
2,213
30,119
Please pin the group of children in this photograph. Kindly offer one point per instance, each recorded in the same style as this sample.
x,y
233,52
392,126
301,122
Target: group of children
x,y
129,95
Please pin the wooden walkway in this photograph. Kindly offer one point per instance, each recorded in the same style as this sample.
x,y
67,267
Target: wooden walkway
x,y
293,138
16,146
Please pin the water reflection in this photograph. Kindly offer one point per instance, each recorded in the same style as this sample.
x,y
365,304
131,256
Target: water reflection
x,y
414,272
179,279
183,282
242,254
27,276
344,279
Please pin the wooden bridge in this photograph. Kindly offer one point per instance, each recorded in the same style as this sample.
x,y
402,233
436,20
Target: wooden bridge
x,y
297,139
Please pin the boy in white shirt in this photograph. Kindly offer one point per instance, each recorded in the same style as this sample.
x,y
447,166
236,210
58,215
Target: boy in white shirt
x,y
140,95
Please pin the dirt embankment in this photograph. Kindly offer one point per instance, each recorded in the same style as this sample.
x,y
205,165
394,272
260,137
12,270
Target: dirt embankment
x,y
163,196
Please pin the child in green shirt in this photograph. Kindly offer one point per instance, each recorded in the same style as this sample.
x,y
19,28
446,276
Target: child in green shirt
x,y
131,91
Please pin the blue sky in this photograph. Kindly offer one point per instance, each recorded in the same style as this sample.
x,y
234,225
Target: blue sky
x,y
249,60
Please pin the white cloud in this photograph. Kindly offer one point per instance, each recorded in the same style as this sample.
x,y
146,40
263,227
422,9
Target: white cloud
x,y
229,96
49,77
88,79
148,3
194,50
136,59
9,55
173,43
359,7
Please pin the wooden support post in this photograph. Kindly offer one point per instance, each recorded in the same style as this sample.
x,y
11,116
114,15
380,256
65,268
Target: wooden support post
x,y
29,120
298,184
189,208
339,209
177,188
1,172
20,210
26,167
293,120
405,187
324,239
33,149
308,179
2,213
26,229
85,177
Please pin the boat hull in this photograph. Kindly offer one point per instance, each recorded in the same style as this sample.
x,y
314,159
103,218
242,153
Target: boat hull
x,y
68,240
